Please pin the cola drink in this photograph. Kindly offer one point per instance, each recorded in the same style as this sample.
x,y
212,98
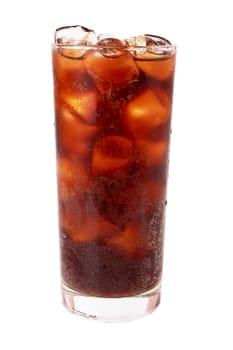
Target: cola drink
x,y
113,103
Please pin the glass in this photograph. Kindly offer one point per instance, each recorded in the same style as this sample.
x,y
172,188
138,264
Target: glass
x,y
113,102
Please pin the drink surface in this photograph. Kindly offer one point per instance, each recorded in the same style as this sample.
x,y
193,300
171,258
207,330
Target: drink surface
x,y
113,110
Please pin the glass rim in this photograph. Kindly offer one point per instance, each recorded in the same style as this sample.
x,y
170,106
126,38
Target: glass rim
x,y
138,52
124,48
160,43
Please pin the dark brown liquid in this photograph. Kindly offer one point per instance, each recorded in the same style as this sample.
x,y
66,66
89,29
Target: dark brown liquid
x,y
112,132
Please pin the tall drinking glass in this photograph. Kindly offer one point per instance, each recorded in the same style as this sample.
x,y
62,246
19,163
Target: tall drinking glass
x,y
113,103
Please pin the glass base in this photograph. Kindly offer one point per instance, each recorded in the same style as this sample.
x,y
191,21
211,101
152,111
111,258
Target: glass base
x,y
111,309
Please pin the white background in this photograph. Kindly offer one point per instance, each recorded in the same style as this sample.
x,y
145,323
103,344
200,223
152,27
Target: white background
x,y
196,311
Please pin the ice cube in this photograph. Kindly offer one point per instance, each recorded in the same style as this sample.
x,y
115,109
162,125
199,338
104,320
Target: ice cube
x,y
73,135
92,228
71,40
98,228
111,153
145,112
75,35
111,72
159,69
136,45
157,43
84,104
147,47
151,154
127,239
70,75
110,47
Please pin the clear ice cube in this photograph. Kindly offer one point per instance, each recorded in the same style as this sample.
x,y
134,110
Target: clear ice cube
x,y
137,44
109,46
147,46
156,44
75,35
72,40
